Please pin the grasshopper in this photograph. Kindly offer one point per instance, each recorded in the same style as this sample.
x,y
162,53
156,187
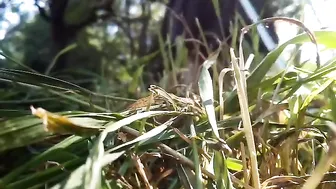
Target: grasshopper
x,y
178,103
162,99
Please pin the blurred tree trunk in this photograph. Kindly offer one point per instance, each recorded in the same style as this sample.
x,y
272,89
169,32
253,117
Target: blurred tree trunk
x,y
67,18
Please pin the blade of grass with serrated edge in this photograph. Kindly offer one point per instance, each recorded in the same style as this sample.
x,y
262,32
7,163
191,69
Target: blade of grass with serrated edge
x,y
93,166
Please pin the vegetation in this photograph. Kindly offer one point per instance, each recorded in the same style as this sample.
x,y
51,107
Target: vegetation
x,y
109,131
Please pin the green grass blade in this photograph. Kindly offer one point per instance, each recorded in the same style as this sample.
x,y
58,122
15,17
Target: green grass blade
x,y
198,171
39,159
234,164
145,136
207,94
223,180
326,38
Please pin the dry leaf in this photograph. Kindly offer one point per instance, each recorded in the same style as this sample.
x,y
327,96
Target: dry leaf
x,y
62,125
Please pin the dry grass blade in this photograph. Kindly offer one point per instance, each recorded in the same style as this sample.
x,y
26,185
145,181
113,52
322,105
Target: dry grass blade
x,y
242,96
140,167
245,168
166,149
57,124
